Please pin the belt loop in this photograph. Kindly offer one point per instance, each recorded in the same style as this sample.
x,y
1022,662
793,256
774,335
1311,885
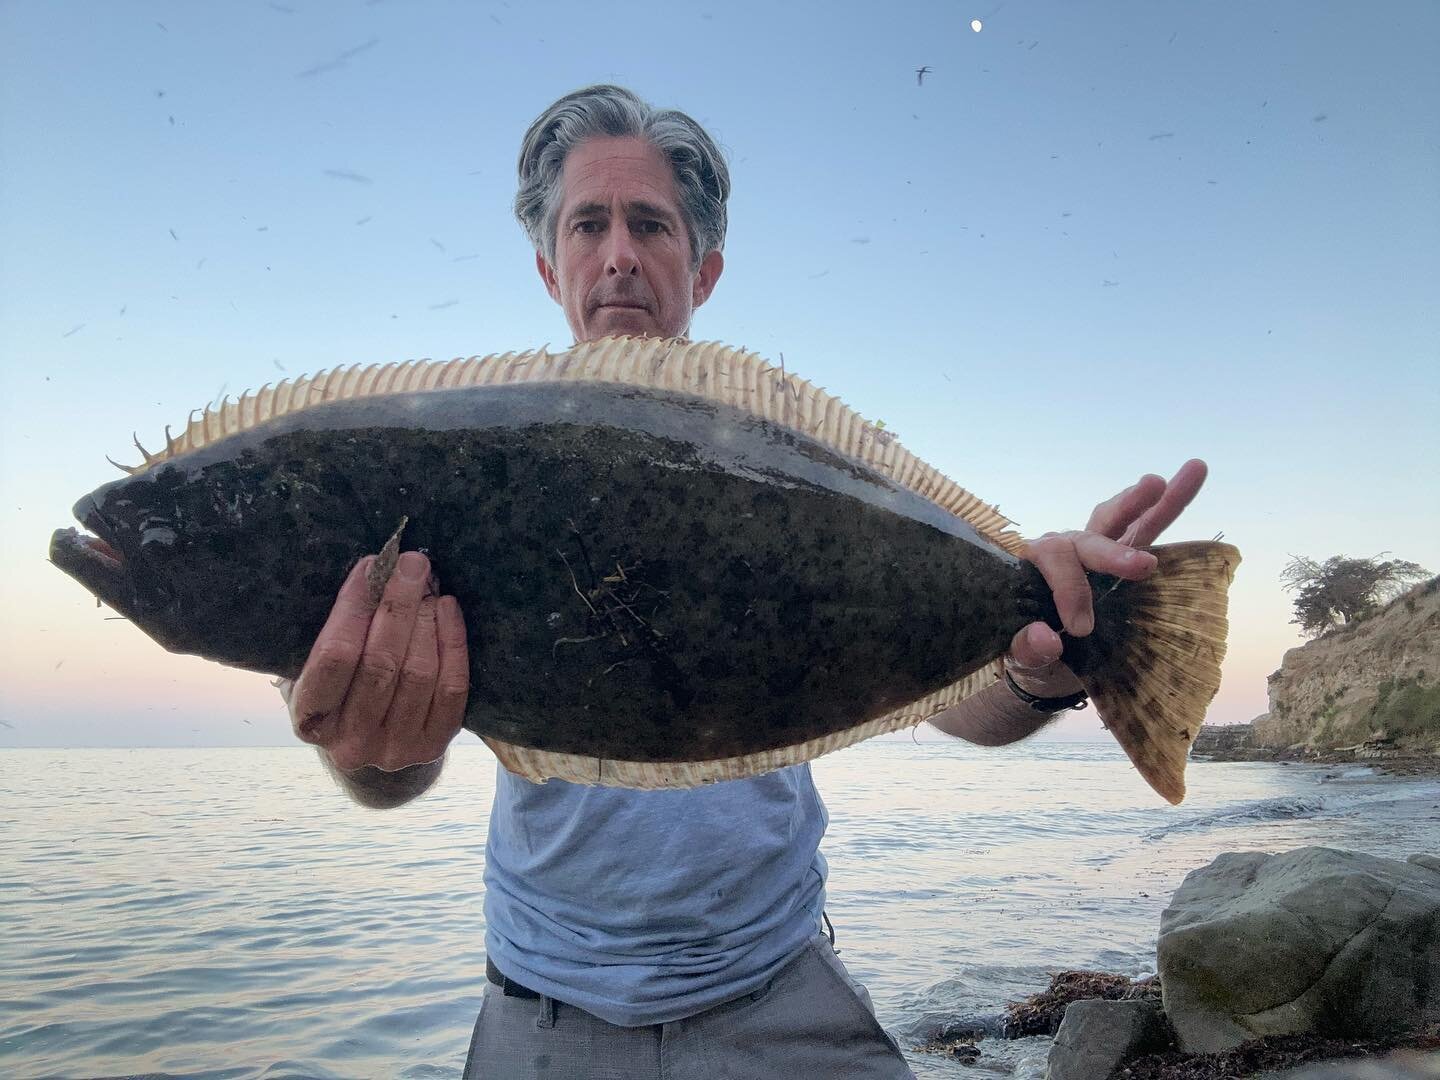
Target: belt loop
x,y
547,1013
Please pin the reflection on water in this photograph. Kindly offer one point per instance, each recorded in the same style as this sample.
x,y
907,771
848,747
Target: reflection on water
x,y
225,913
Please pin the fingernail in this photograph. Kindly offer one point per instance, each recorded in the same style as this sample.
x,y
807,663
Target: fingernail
x,y
309,728
413,566
1044,645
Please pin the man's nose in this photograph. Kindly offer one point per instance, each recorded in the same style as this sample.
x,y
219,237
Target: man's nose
x,y
620,257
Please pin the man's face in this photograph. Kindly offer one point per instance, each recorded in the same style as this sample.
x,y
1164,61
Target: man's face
x,y
622,251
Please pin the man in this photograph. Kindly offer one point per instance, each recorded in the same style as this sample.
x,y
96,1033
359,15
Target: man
x,y
666,933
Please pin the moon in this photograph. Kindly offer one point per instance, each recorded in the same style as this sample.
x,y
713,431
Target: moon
x,y
976,25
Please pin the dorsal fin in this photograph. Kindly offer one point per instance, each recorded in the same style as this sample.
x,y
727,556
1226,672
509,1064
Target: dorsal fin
x,y
704,369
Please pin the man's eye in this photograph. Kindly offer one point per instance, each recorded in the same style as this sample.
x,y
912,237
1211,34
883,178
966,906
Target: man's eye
x,y
587,226
651,227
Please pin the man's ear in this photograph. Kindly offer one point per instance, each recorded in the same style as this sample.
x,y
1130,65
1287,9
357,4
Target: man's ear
x,y
547,275
706,277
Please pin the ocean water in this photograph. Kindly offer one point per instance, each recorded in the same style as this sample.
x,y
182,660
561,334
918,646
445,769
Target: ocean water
x,y
226,913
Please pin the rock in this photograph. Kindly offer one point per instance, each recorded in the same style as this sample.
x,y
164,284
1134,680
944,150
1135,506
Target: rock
x,y
940,1028
1312,939
965,1053
1096,1036
1404,1065
1222,742
1042,1013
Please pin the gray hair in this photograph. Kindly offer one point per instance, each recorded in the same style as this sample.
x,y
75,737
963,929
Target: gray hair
x,y
701,175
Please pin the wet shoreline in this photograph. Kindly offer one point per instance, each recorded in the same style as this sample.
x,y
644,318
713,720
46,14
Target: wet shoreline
x,y
1041,1013
1385,762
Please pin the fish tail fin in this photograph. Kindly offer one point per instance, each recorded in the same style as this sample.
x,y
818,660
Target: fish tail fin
x,y
1152,664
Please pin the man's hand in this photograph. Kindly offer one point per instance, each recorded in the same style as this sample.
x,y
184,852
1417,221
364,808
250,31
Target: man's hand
x,y
1132,519
385,685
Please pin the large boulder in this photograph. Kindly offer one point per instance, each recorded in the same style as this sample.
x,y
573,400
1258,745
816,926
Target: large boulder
x,y
1313,939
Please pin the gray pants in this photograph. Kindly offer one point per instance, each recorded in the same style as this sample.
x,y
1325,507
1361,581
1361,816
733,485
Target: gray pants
x,y
811,1022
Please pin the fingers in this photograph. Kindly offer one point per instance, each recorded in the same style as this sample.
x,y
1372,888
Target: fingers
x,y
1140,513
1112,517
386,683
404,719
1183,487
319,692
1063,559
1035,649
452,687
1132,519
1034,663
387,644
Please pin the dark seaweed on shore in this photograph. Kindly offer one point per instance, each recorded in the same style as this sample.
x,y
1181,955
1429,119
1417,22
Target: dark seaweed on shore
x,y
1040,1014
1267,1055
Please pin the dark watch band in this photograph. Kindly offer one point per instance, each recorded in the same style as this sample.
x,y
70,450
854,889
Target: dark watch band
x,y
1077,700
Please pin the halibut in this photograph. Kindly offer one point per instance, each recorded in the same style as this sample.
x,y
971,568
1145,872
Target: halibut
x,y
677,563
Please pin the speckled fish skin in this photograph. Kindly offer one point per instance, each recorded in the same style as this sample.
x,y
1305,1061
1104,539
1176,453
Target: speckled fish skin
x,y
644,575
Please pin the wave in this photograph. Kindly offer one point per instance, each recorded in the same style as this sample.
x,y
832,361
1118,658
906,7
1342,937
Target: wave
x,y
1357,773
1278,809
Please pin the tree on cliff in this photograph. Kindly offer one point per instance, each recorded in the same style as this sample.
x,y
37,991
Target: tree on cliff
x,y
1341,589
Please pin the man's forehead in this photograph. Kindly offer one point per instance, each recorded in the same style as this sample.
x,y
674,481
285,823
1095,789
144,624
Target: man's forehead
x,y
602,170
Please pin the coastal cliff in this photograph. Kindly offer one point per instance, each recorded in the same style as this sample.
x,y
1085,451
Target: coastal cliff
x,y
1371,685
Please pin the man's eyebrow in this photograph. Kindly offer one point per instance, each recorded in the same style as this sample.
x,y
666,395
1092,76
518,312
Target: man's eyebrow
x,y
638,208
645,209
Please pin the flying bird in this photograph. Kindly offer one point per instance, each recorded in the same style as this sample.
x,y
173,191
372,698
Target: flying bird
x,y
920,74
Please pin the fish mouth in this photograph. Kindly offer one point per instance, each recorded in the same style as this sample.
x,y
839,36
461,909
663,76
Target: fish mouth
x,y
92,560
92,547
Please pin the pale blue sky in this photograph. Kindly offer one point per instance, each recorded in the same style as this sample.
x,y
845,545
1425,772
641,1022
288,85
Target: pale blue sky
x,y
1099,239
